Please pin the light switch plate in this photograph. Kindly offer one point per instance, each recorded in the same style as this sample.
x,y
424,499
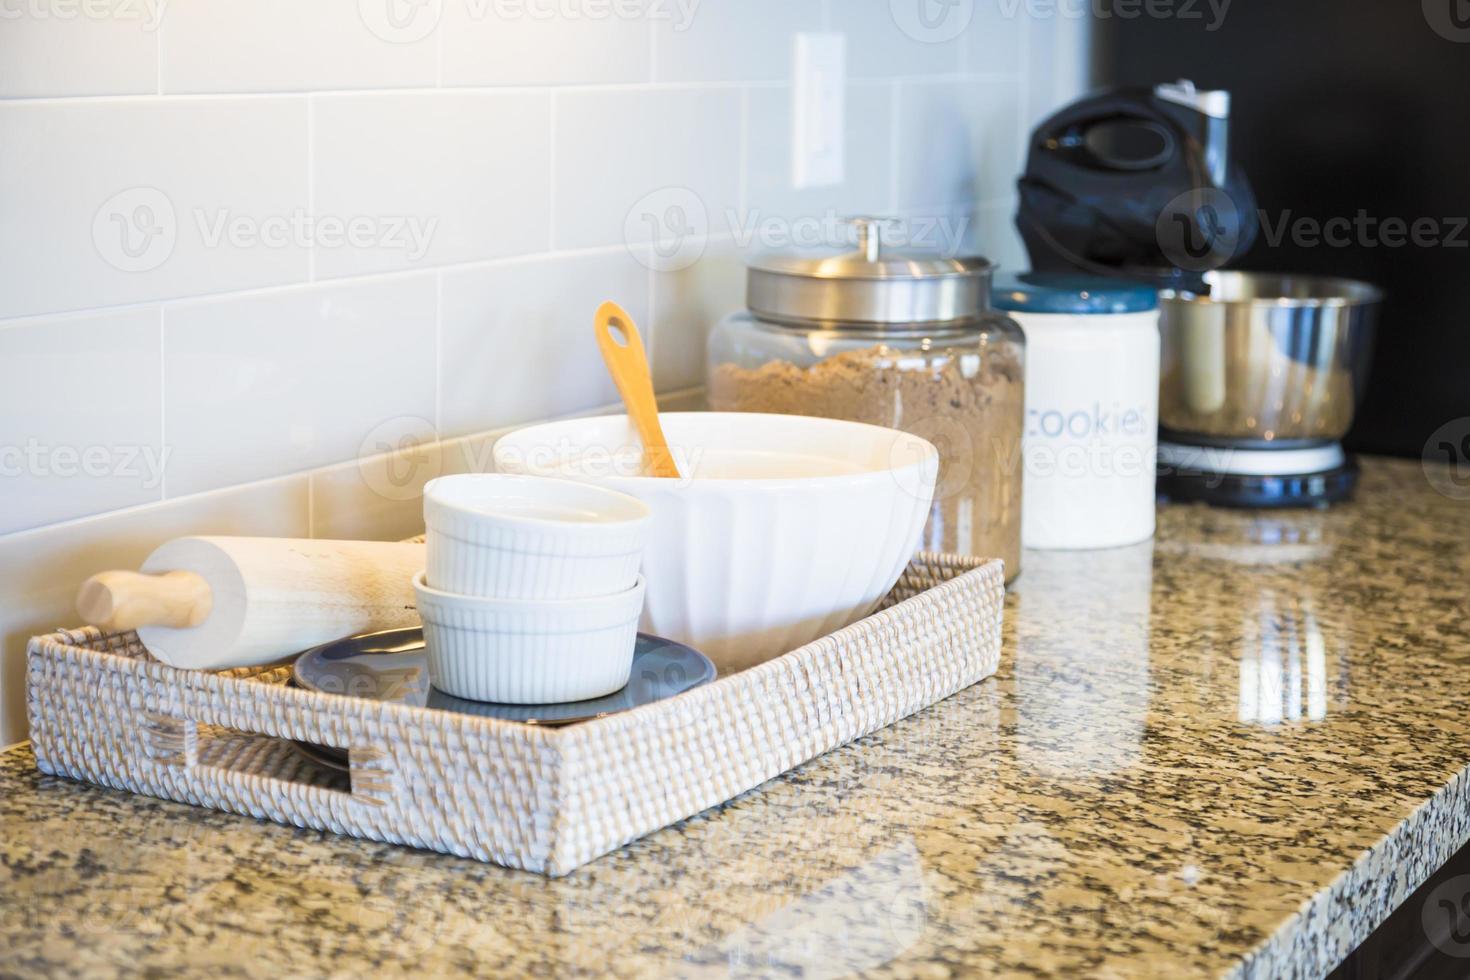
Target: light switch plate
x,y
817,110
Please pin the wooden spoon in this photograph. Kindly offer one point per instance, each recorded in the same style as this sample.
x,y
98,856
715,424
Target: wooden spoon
x,y
622,349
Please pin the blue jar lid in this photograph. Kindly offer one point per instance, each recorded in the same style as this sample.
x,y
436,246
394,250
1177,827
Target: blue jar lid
x,y
1059,292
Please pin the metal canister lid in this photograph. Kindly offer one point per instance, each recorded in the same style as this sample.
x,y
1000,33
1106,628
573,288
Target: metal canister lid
x,y
871,285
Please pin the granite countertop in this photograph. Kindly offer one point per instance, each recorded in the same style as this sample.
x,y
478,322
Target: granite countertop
x,y
1233,750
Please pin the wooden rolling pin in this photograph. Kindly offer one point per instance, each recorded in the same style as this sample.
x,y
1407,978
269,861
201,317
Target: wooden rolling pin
x,y
214,603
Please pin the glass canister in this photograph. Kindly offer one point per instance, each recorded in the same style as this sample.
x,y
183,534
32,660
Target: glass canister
x,y
905,340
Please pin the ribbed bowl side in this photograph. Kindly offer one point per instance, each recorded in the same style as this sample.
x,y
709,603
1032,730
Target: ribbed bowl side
x,y
471,569
529,668
746,577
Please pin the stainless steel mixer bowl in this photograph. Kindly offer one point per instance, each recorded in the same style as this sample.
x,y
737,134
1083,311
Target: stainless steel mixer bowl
x,y
1264,359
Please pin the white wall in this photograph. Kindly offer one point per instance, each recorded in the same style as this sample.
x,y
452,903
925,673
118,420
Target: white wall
x,y
186,347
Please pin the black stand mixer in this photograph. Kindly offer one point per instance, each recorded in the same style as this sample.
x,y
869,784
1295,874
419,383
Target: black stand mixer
x,y
1260,373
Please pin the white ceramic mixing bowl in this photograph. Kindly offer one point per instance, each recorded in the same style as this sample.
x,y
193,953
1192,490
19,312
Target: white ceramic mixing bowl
x,y
782,529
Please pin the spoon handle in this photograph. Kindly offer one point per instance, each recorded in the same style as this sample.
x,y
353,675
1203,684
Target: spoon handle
x,y
622,349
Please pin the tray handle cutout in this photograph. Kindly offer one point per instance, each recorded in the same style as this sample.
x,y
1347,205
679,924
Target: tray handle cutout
x,y
283,767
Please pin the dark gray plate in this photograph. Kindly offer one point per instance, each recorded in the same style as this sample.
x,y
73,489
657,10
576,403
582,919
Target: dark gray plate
x,y
393,666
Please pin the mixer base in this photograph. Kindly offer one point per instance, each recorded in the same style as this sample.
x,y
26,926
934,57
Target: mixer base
x,y
1180,481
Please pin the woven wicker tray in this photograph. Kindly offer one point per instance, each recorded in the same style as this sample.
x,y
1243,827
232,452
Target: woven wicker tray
x,y
543,799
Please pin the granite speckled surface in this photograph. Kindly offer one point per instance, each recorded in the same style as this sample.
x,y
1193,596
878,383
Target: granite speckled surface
x,y
1230,751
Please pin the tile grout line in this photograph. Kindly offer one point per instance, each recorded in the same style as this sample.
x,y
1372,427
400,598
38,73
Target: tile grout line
x,y
893,143
655,329
153,98
962,53
742,195
347,280
306,474
439,51
652,52
311,183
551,169
355,279
163,404
1024,71
438,354
358,278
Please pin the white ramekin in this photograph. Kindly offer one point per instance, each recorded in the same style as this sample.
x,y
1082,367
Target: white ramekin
x,y
529,651
526,537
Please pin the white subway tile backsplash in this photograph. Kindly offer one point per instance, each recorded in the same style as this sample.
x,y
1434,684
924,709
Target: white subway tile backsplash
x,y
80,416
430,178
865,187
515,42
40,570
641,165
374,499
996,238
380,498
687,303
957,142
288,45
996,38
517,337
261,385
290,234
745,41
105,203
903,37
1057,71
52,50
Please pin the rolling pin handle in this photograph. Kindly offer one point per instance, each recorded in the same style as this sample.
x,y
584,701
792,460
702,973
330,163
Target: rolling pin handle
x,y
118,601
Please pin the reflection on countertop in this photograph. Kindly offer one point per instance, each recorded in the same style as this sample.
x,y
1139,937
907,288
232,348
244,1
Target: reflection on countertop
x,y
1232,750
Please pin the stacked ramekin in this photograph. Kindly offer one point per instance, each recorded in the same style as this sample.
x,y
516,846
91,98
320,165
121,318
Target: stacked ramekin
x,y
531,594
